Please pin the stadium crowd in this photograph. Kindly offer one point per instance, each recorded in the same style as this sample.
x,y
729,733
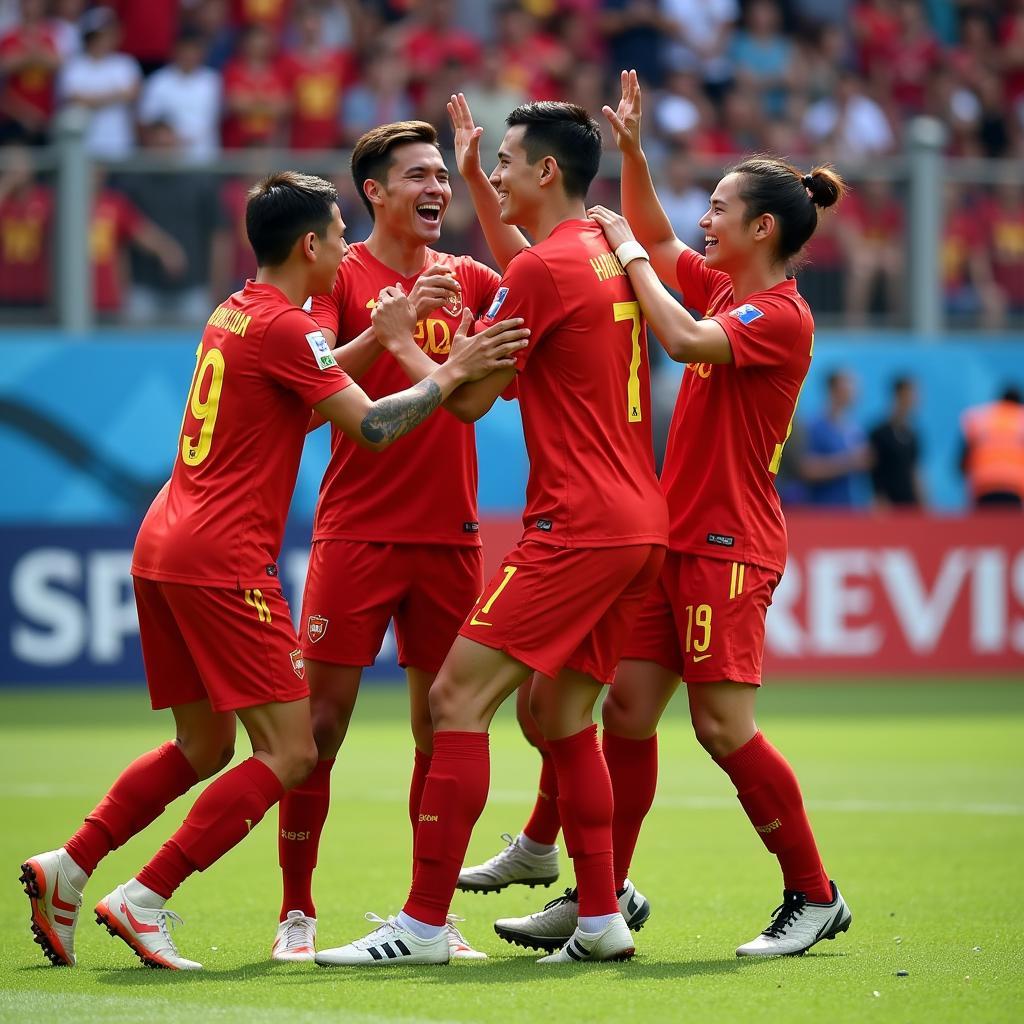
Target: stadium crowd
x,y
813,79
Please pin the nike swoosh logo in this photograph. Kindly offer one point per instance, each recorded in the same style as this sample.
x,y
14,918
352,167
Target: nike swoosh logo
x,y
700,657
142,929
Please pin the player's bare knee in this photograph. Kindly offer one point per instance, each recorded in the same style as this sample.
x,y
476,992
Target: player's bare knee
x,y
328,733
297,763
423,732
207,755
718,736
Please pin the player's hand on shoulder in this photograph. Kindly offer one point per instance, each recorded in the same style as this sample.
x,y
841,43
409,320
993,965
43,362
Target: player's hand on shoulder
x,y
625,118
466,136
393,317
492,349
435,287
616,228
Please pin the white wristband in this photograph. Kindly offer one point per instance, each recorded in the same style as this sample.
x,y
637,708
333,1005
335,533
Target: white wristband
x,y
629,251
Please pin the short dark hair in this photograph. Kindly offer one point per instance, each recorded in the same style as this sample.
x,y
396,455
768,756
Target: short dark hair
x,y
282,208
1011,393
566,132
770,185
902,383
372,156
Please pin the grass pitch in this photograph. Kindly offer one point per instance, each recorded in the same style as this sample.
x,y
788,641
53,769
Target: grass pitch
x,y
915,793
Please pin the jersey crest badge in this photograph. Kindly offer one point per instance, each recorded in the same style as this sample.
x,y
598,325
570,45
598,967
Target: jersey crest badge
x,y
316,627
321,350
453,307
298,665
747,314
499,297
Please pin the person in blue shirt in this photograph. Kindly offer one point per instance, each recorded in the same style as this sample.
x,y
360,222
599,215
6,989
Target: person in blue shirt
x,y
836,454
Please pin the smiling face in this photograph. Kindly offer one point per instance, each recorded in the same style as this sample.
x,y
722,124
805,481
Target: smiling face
x,y
729,240
516,180
413,200
329,253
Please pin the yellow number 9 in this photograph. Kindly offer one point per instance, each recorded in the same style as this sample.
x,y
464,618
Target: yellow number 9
x,y
195,450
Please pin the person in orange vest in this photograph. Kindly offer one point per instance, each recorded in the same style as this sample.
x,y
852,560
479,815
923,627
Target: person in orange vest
x,y
993,453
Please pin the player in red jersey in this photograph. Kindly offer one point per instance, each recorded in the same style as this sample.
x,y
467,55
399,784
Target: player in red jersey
x,y
216,632
565,597
705,621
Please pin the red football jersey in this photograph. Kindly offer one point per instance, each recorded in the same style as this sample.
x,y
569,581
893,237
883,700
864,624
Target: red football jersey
x,y
421,490
115,221
32,86
584,389
317,82
219,521
25,246
732,421
257,126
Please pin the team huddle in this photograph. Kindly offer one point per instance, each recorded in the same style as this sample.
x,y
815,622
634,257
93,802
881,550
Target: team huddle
x,y
619,579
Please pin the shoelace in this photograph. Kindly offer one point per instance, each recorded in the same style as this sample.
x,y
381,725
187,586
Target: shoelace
x,y
512,844
386,929
786,914
569,896
162,920
453,920
297,933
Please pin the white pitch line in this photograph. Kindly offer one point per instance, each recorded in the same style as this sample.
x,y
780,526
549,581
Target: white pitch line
x,y
45,791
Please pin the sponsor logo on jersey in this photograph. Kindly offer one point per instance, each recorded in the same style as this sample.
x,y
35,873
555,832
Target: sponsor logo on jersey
x,y
316,627
545,525
721,539
470,527
499,297
271,569
746,314
321,350
298,665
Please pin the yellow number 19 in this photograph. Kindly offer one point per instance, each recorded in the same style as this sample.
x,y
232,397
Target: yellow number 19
x,y
631,311
204,410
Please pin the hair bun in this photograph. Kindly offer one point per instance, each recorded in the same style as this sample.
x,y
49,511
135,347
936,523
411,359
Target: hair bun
x,y
808,180
824,186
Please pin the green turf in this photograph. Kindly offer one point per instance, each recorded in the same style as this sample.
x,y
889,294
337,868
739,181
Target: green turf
x,y
915,793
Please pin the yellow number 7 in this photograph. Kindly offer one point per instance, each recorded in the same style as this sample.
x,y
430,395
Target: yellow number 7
x,y
631,311
195,450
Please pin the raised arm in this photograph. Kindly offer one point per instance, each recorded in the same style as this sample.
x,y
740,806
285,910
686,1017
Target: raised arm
x,y
685,339
504,240
640,203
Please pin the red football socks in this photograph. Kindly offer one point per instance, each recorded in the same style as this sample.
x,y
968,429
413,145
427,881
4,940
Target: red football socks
x,y
770,794
420,769
221,818
301,815
544,823
633,767
453,797
585,805
135,800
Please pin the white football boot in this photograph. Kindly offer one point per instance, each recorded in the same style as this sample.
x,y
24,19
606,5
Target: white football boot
x,y
458,947
613,942
55,906
798,924
552,927
388,945
145,930
295,941
512,866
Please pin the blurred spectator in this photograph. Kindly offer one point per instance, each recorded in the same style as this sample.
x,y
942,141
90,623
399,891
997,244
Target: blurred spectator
x,y
633,31
836,454
822,272
906,58
26,210
431,39
822,55
186,95
762,56
896,450
698,35
381,98
683,199
240,263
993,452
270,14
491,99
66,16
173,284
737,129
148,30
532,61
115,227
317,77
255,92
211,19
967,273
29,58
871,234
680,107
854,125
106,83
1004,221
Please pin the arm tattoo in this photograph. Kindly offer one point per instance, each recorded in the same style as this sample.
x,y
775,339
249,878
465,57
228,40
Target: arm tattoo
x,y
395,415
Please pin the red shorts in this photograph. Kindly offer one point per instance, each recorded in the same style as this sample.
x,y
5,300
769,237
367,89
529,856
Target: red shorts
x,y
553,608
235,648
705,619
354,588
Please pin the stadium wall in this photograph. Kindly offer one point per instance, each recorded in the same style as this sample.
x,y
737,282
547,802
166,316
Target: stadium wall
x,y
87,435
